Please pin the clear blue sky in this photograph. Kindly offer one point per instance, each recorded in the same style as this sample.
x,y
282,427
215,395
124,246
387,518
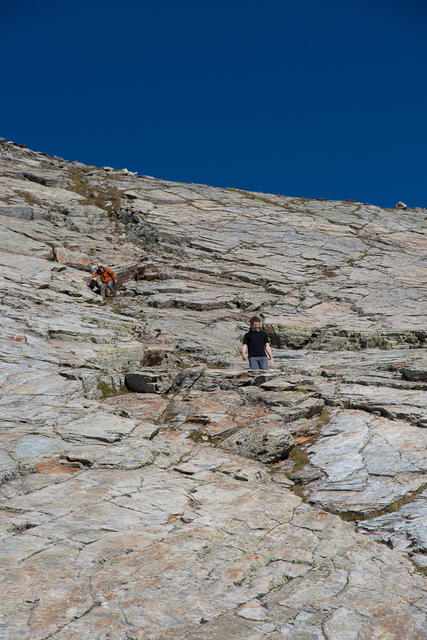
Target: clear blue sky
x,y
311,98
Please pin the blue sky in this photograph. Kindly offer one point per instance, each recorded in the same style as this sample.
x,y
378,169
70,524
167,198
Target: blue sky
x,y
316,99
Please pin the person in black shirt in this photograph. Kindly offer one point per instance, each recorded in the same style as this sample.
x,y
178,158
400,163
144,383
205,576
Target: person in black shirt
x,y
256,346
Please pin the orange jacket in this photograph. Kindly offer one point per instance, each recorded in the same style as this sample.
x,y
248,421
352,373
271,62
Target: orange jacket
x,y
106,276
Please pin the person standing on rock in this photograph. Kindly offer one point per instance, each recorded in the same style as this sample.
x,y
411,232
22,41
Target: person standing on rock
x,y
107,278
256,346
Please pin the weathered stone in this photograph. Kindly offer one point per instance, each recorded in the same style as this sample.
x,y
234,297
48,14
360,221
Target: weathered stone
x,y
370,463
16,211
266,445
405,529
103,427
33,446
414,373
6,461
45,179
159,381
72,258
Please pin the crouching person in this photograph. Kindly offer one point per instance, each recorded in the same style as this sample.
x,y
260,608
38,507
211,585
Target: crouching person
x,y
256,346
102,279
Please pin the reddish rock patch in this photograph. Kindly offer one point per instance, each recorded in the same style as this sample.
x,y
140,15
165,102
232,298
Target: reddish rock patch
x,y
56,466
301,439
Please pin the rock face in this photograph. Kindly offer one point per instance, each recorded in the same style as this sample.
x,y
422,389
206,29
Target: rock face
x,y
152,486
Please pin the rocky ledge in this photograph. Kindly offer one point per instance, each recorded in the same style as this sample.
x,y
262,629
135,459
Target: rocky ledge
x,y
154,488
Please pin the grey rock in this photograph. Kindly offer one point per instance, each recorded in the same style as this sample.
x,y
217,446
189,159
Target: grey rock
x,y
150,381
412,373
266,445
43,178
16,211
33,446
6,461
306,475
370,463
404,529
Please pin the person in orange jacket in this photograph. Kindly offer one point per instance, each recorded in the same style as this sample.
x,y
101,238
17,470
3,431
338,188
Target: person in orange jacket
x,y
107,278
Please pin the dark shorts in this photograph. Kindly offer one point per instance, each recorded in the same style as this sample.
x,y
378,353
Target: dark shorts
x,y
259,362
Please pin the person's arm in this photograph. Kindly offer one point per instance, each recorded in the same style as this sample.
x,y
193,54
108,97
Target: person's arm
x,y
245,347
269,352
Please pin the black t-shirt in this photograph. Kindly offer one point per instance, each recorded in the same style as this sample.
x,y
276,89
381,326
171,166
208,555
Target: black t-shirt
x,y
256,341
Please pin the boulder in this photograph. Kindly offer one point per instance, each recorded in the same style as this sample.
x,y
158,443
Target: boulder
x,y
159,381
71,258
414,373
16,211
265,444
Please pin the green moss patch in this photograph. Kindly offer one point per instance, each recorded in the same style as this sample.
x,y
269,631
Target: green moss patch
x,y
108,391
101,195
